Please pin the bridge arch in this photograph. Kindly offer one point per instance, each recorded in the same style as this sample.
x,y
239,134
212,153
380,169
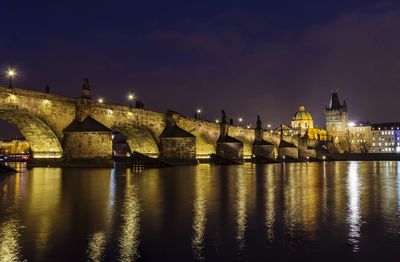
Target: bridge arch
x,y
42,140
139,139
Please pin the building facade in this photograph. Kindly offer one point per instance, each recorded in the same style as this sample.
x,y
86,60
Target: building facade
x,y
385,138
14,147
360,137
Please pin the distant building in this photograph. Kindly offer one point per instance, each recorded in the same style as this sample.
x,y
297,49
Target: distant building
x,y
385,138
302,120
375,138
10,147
302,125
360,137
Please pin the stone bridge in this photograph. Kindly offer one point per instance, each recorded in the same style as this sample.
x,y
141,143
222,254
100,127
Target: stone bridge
x,y
42,118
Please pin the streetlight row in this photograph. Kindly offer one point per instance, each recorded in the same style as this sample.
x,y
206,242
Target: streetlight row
x,y
240,119
11,73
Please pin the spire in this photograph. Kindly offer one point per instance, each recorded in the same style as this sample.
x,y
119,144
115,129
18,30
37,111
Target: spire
x,y
344,105
334,103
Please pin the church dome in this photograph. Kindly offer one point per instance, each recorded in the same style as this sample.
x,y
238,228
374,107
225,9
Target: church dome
x,y
302,114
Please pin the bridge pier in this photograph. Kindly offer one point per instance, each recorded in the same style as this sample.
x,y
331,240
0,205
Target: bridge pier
x,y
177,146
87,141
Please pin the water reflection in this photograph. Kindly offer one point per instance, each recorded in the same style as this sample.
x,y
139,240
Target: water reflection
x,y
202,181
9,239
130,228
96,246
270,199
242,198
398,189
42,207
302,195
304,212
354,217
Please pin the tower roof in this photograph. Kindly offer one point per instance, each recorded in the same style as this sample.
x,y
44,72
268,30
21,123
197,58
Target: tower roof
x,y
334,103
88,125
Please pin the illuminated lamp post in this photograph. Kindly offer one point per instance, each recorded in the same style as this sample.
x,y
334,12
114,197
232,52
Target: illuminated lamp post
x,y
131,97
198,112
240,121
11,73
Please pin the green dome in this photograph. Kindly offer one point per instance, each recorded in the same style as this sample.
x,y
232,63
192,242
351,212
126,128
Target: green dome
x,y
302,114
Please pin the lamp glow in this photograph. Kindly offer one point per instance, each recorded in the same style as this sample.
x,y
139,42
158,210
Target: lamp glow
x,y
11,72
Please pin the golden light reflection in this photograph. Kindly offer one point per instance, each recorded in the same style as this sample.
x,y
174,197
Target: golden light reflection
x,y
241,207
324,192
96,247
9,240
301,199
202,181
353,217
43,204
130,229
398,189
270,214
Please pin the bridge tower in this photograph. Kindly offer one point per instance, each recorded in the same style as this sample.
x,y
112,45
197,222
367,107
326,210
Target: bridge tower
x,y
337,118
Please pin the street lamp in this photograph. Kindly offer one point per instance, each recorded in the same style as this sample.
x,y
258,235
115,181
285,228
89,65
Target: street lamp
x,y
131,97
240,121
100,100
11,73
197,113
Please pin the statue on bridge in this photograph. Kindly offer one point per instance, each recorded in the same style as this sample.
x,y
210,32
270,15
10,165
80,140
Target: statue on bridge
x,y
223,118
259,124
85,89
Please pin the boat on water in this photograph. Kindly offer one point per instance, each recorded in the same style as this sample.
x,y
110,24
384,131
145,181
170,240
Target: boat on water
x,y
4,170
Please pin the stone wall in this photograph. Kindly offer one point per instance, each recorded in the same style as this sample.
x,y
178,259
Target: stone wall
x,y
78,145
232,151
178,148
288,152
266,151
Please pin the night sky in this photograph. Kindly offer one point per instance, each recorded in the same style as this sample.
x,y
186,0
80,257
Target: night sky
x,y
247,57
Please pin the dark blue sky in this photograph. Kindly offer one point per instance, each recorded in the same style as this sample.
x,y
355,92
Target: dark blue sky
x,y
247,57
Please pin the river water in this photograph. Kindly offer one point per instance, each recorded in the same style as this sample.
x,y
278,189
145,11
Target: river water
x,y
348,211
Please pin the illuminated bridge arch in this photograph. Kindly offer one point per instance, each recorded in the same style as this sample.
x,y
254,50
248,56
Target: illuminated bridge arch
x,y
42,140
139,139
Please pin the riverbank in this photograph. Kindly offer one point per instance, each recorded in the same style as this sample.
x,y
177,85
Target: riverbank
x,y
364,157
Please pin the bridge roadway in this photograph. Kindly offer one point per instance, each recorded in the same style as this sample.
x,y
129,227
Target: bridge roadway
x,y
42,117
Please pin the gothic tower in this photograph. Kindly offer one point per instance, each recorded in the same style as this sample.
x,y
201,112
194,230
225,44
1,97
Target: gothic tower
x,y
337,118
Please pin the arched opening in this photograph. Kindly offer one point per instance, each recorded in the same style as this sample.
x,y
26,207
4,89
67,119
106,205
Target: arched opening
x,y
42,140
120,147
139,139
